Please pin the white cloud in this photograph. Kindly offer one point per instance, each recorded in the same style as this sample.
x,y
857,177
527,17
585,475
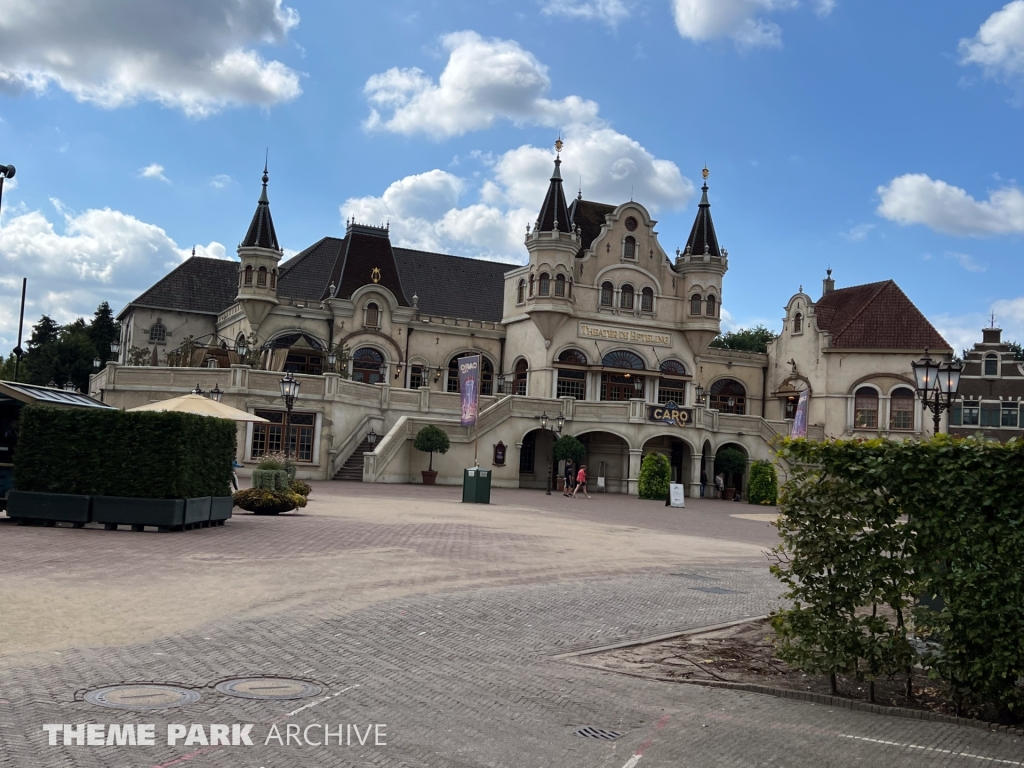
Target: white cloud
x,y
154,171
915,198
191,56
220,181
100,254
858,233
824,7
610,12
966,261
740,20
998,46
483,81
964,331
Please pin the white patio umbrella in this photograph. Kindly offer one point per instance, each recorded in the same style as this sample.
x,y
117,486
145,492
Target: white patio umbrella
x,y
202,406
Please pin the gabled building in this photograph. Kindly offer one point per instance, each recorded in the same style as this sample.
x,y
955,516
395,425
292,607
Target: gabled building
x,y
991,390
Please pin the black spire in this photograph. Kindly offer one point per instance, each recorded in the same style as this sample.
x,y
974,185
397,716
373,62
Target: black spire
x,y
702,237
554,212
261,232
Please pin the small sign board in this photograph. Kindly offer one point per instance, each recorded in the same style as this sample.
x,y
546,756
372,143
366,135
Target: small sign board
x,y
675,495
671,414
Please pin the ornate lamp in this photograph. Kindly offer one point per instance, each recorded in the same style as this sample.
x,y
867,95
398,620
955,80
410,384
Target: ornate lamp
x,y
216,394
700,394
638,383
544,420
197,391
371,437
289,391
937,385
560,421
502,383
332,361
95,362
115,347
926,374
242,349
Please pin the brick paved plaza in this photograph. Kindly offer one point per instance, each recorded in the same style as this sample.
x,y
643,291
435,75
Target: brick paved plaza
x,y
440,620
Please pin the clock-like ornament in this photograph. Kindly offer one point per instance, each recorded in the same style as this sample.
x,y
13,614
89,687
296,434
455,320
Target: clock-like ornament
x,y
630,223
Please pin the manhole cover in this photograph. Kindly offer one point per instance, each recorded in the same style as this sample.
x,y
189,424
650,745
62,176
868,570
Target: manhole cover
x,y
596,733
272,688
142,697
716,590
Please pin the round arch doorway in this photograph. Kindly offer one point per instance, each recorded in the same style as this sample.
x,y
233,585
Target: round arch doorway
x,y
680,458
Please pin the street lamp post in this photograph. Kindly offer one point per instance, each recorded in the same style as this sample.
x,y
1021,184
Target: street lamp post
x,y
289,391
937,385
555,428
332,361
6,172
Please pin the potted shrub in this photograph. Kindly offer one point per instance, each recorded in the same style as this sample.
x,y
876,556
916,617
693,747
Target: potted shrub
x,y
428,440
263,501
763,487
568,447
654,477
731,462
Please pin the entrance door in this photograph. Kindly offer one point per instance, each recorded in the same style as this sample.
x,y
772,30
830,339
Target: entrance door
x,y
367,365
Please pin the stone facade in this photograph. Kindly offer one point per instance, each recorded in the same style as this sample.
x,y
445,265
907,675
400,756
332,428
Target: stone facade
x,y
991,391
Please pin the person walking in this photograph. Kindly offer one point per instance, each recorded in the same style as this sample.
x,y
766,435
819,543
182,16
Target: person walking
x,y
581,482
570,477
720,483
703,481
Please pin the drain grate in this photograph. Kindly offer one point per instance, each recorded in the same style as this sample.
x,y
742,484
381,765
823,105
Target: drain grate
x,y
717,590
590,732
142,698
268,688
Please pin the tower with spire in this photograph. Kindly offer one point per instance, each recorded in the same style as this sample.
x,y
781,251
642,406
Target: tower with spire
x,y
259,255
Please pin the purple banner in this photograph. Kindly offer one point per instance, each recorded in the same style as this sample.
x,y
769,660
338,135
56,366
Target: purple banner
x,y
800,421
469,386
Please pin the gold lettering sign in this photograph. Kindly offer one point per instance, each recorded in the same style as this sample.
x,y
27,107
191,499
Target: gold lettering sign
x,y
622,333
670,413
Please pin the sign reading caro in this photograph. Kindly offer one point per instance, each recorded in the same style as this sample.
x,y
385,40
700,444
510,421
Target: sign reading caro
x,y
670,413
613,333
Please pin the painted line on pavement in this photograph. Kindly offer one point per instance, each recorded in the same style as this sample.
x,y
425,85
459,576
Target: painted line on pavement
x,y
635,759
931,749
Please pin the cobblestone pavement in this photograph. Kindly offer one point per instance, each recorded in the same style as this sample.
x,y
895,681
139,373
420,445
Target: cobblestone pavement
x,y
440,624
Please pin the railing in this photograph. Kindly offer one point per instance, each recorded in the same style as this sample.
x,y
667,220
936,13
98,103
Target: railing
x,y
341,454
375,461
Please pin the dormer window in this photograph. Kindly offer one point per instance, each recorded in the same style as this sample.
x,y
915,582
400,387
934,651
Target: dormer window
x,y
158,333
545,284
560,285
647,300
712,305
521,292
261,277
798,323
695,304
372,315
626,297
248,275
991,364
629,248
607,292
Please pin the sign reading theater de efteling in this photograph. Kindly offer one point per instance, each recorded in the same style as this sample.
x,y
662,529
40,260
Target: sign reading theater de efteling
x,y
469,387
670,413
613,333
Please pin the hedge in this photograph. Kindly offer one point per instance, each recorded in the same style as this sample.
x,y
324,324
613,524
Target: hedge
x,y
884,540
654,477
100,452
763,487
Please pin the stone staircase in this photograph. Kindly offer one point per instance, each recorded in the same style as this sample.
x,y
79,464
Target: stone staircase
x,y
352,469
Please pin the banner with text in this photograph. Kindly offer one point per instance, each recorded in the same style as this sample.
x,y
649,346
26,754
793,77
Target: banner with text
x,y
469,386
800,422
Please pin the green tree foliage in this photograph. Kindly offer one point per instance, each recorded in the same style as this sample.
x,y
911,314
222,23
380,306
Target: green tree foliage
x,y
7,369
868,527
732,462
746,339
102,331
62,354
569,447
654,477
430,439
763,487
106,452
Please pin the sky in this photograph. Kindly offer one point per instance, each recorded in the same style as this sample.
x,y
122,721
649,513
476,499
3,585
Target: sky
x,y
880,139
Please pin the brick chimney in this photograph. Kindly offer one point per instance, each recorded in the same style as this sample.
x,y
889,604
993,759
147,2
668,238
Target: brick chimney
x,y
991,335
828,284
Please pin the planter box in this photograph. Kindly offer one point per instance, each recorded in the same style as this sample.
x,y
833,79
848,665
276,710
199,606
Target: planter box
x,y
220,509
49,507
197,511
113,511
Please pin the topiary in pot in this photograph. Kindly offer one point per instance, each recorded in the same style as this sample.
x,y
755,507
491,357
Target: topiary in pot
x,y
261,501
763,487
568,447
654,477
430,439
732,463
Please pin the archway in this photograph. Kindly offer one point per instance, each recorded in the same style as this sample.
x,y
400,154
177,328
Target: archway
x,y
608,458
680,458
734,480
535,459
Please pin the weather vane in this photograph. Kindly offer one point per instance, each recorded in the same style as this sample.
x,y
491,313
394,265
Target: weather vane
x,y
558,143
705,173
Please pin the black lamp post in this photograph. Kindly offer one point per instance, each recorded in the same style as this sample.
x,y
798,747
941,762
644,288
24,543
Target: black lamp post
x,y
115,348
215,394
700,395
371,437
96,362
242,349
937,385
555,428
289,391
332,361
6,172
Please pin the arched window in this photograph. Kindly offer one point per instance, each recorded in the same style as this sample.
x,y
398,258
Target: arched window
x,y
647,300
671,385
248,275
372,316
486,377
901,409
865,408
712,305
622,386
607,293
531,286
261,277
572,382
367,365
728,396
158,333
798,323
521,292
452,384
570,287
991,364
273,279
629,247
545,284
559,285
626,297
695,304
521,371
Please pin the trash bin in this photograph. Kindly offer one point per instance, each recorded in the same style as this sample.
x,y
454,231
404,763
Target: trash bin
x,y
476,486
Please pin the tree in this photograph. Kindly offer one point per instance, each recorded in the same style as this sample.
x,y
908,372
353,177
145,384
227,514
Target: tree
x,y
39,360
732,462
432,438
7,369
763,487
654,476
569,447
746,339
1018,352
103,330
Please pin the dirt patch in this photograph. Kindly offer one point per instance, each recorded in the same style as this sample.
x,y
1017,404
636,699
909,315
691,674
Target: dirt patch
x,y
744,654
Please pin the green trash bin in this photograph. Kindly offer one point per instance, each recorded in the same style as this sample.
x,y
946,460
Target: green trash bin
x,y
476,486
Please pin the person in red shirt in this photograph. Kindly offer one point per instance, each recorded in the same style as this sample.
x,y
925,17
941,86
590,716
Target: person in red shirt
x,y
581,481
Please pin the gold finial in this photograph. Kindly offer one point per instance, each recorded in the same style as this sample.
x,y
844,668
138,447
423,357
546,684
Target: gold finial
x,y
559,144
705,173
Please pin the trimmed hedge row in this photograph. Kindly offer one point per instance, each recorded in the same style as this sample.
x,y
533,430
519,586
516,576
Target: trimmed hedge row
x,y
151,455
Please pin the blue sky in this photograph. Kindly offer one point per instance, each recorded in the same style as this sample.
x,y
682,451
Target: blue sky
x,y
881,139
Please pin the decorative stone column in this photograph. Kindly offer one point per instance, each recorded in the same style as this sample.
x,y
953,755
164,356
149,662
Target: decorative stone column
x,y
697,461
633,481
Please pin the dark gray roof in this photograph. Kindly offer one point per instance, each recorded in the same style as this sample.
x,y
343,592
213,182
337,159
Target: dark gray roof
x,y
200,284
589,217
261,232
554,208
305,275
703,232
453,286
